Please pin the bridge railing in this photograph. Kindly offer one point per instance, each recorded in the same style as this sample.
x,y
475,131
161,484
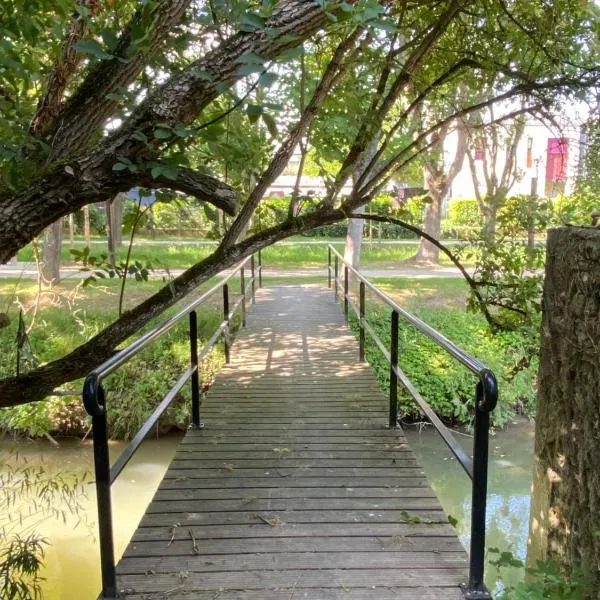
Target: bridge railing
x,y
94,399
485,399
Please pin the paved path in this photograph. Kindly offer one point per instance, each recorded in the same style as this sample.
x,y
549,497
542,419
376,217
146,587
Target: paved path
x,y
295,489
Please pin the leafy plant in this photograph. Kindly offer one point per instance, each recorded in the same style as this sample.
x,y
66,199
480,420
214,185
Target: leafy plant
x,y
29,495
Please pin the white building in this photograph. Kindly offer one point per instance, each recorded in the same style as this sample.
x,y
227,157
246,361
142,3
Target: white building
x,y
546,160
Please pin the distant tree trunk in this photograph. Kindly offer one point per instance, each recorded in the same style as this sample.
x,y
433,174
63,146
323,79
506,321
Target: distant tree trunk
x,y
71,229
531,230
51,253
565,508
86,225
489,212
117,219
355,226
110,241
428,252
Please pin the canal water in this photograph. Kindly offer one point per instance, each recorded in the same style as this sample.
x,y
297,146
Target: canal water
x,y
72,561
509,489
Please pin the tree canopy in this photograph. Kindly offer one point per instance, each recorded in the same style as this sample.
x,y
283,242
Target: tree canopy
x,y
203,97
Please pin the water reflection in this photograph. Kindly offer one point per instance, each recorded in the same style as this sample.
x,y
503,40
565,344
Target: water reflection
x,y
509,489
72,562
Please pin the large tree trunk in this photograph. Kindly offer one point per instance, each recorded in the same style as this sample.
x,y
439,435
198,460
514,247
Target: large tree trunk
x,y
51,253
565,509
428,252
490,213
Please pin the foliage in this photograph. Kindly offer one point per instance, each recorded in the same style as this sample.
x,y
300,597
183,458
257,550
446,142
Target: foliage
x,y
545,581
29,495
577,208
440,379
464,212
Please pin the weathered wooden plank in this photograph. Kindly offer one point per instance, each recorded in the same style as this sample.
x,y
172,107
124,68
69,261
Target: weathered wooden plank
x,y
183,547
301,482
252,503
274,518
263,530
290,493
292,593
307,579
272,462
263,561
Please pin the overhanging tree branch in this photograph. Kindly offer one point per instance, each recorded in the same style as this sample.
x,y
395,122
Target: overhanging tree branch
x,y
201,186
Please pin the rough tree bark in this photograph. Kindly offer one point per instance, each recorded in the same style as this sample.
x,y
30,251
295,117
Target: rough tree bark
x,y
565,509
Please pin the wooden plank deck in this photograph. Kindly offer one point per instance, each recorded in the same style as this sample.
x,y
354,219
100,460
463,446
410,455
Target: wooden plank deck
x,y
295,488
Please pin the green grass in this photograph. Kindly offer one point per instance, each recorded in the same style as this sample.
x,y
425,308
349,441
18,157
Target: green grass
x,y
279,256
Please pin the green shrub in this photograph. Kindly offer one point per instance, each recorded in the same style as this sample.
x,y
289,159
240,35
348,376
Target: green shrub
x,y
441,379
577,208
464,212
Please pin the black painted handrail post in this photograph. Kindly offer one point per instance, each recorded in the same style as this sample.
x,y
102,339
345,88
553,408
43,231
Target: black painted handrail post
x,y
252,273
335,277
243,291
195,378
361,339
476,589
259,269
226,319
329,267
346,288
103,497
393,421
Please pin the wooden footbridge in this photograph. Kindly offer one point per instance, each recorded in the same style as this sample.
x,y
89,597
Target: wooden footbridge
x,y
293,485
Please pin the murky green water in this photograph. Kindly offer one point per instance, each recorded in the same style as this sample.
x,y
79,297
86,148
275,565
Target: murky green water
x,y
509,489
72,563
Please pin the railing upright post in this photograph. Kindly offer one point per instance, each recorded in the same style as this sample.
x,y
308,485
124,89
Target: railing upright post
x,y
252,272
346,292
243,291
195,378
477,589
329,267
361,339
393,421
335,277
102,475
226,318
259,269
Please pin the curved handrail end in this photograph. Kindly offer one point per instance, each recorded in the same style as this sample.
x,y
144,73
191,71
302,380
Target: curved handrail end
x,y
93,395
489,385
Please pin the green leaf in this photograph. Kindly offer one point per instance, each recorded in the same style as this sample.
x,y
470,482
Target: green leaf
x,y
250,58
290,54
162,134
92,47
156,171
119,166
267,79
269,121
452,520
249,69
251,22
140,136
116,97
254,111
182,131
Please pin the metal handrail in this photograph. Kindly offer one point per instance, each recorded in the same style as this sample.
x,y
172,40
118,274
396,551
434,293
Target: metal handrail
x,y
486,397
94,400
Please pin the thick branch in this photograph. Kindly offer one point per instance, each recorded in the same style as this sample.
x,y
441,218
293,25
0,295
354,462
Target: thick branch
x,y
87,110
62,71
204,187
